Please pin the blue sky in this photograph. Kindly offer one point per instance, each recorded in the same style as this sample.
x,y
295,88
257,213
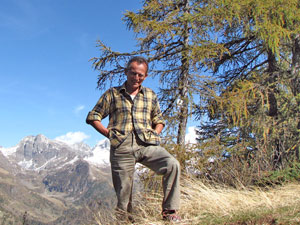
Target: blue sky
x,y
47,83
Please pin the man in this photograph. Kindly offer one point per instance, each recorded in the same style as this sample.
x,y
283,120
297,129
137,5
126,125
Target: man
x,y
135,122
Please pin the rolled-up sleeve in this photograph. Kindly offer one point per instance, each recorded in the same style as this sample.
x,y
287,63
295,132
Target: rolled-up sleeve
x,y
157,117
101,109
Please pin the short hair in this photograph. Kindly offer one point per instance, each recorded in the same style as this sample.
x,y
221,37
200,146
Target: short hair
x,y
139,60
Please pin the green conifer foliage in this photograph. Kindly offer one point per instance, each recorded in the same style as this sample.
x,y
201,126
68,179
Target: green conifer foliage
x,y
239,57
255,105
173,35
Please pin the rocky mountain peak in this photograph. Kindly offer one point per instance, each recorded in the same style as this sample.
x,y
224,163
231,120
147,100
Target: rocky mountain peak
x,y
41,139
105,144
37,138
40,153
81,147
37,152
58,178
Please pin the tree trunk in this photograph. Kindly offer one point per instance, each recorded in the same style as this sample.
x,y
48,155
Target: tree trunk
x,y
295,83
273,109
296,59
184,84
272,70
183,116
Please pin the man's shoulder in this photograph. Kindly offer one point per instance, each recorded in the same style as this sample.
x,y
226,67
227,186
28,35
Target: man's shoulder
x,y
148,90
112,90
149,93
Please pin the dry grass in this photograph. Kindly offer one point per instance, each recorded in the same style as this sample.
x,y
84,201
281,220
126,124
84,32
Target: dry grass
x,y
204,204
225,204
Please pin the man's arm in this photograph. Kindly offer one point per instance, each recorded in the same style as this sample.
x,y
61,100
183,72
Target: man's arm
x,y
99,127
158,122
158,128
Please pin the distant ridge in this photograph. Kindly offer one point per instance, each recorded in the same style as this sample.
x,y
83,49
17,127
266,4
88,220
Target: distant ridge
x,y
53,182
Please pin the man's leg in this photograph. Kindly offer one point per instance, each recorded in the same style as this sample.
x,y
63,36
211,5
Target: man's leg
x,y
163,163
122,168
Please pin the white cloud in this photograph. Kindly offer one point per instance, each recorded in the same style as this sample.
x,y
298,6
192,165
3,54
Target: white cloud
x,y
73,137
79,108
76,137
190,137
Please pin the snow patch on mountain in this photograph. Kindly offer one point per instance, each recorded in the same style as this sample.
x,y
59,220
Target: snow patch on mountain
x,y
9,151
100,154
26,164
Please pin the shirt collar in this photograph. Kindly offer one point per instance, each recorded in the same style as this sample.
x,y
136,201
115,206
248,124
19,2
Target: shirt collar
x,y
123,88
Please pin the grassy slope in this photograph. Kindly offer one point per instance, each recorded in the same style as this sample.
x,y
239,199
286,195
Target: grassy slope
x,y
223,205
203,204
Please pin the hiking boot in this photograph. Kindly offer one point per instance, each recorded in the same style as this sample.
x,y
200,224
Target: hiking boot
x,y
170,215
123,217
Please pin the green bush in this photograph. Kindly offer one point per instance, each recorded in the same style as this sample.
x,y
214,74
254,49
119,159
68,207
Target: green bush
x,y
291,173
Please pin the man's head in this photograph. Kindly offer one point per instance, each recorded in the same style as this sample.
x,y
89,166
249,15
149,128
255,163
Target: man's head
x,y
136,72
138,60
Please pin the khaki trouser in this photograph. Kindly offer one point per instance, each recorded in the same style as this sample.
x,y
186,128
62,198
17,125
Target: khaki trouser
x,y
123,160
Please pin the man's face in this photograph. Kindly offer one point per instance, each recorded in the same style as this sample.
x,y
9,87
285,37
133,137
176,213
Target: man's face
x,y
136,74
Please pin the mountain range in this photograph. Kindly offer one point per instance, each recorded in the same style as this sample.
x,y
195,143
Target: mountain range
x,y
45,181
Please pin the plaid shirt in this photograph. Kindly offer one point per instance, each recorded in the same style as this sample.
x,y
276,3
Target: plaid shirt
x,y
126,115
